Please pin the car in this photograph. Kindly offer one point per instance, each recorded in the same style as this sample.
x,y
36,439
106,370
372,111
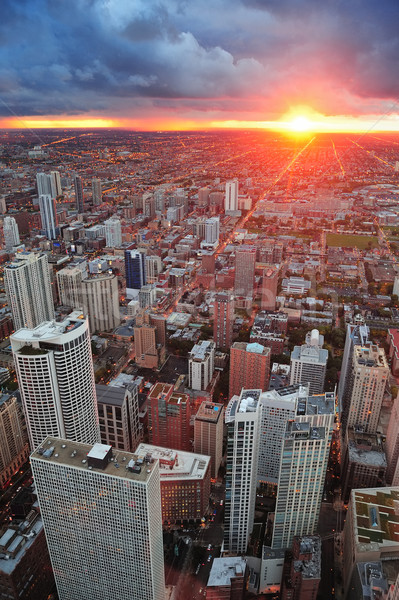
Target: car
x,y
209,558
209,547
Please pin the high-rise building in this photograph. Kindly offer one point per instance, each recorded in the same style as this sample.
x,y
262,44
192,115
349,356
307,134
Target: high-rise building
x,y
102,521
69,282
169,416
367,382
243,417
48,215
303,466
364,464
355,335
228,579
55,182
309,363
79,198
201,365
11,233
96,189
28,287
392,445
231,196
223,320
249,367
147,296
159,322
244,271
208,433
146,347
55,375
203,197
49,183
269,289
14,447
303,569
101,302
212,227
113,233
135,272
118,414
152,268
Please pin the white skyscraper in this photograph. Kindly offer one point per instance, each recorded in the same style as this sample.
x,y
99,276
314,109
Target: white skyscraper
x,y
303,465
113,233
309,363
101,302
69,281
212,227
96,191
55,375
28,287
102,518
355,335
152,268
48,215
49,183
243,418
201,365
56,189
231,197
11,233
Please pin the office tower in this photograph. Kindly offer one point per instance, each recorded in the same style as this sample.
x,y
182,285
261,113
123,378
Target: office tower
x,y
278,407
55,183
364,464
135,272
203,197
96,189
212,228
48,216
367,381
269,289
49,184
149,206
208,433
185,482
101,302
145,347
55,375
11,233
303,569
355,335
223,320
28,287
231,196
201,365
392,445
147,296
152,268
25,568
113,233
118,415
243,416
169,415
244,271
303,466
69,282
249,367
79,198
102,520
371,530
14,448
309,363
228,578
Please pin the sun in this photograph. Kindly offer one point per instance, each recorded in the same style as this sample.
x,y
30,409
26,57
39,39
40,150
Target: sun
x,y
300,124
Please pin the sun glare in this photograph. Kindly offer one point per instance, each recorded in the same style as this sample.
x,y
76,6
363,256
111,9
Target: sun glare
x,y
300,124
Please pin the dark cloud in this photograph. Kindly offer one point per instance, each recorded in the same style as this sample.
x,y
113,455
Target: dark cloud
x,y
79,56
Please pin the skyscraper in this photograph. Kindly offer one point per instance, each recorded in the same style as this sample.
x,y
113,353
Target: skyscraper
x,y
11,233
244,271
113,232
49,183
201,364
208,433
269,289
79,198
169,416
69,281
14,447
212,227
118,413
146,347
231,196
102,520
249,367
96,191
101,301
55,375
152,268
223,320
243,417
28,287
367,381
135,272
355,335
309,363
392,445
48,215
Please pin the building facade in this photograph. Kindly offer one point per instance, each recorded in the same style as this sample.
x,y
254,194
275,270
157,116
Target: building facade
x,y
135,272
169,416
249,367
11,233
201,362
223,320
113,233
48,216
14,446
101,302
309,363
208,433
118,415
244,271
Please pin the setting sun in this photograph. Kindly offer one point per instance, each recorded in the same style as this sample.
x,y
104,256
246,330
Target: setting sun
x,y
300,124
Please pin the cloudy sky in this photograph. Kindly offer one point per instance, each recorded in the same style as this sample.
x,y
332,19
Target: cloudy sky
x,y
175,63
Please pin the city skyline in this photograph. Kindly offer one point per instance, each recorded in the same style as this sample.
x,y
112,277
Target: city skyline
x,y
297,66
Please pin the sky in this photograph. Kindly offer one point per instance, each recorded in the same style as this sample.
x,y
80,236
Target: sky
x,y
185,64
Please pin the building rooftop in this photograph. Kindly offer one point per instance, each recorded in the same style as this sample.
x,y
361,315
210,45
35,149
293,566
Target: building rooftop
x,y
311,566
370,356
74,454
225,569
210,412
50,330
15,541
375,518
202,350
175,464
365,449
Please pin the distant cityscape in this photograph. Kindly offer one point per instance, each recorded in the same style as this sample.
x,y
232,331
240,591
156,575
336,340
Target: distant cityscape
x,y
199,365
